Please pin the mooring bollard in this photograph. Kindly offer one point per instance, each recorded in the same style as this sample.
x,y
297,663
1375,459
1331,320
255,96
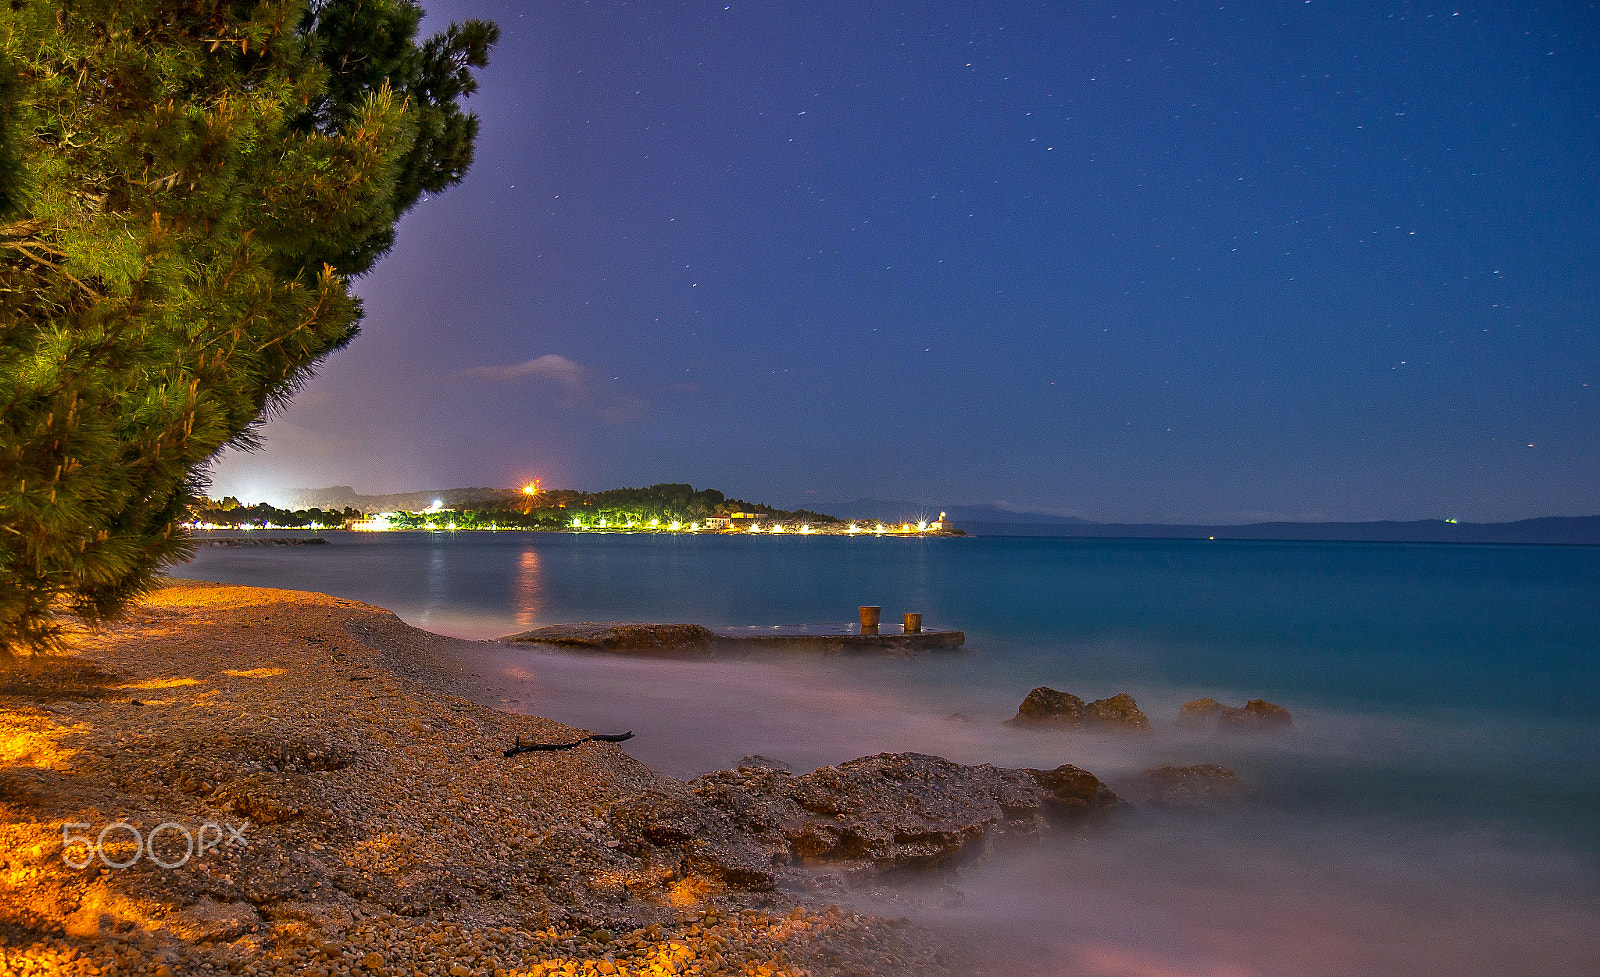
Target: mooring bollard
x,y
913,623
869,619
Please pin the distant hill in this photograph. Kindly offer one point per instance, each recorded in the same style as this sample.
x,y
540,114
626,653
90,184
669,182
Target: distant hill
x,y
1569,530
342,496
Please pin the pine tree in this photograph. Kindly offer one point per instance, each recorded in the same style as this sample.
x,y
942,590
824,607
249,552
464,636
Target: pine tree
x,y
186,189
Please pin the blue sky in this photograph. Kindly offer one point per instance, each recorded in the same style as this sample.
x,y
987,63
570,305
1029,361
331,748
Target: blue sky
x,y
1165,261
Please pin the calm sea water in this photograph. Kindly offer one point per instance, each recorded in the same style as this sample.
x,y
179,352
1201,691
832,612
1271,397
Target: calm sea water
x,y
1435,811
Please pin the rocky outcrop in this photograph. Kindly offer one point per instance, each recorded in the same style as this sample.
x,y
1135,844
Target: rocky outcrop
x,y
1200,712
660,827
1203,785
1045,706
896,810
619,636
1257,714
1118,712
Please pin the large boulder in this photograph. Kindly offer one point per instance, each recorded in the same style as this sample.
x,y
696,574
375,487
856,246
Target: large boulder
x,y
1256,714
1203,785
676,831
1200,712
1071,792
1119,712
1045,706
897,810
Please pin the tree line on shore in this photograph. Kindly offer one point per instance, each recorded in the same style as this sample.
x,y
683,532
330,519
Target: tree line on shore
x,y
231,514
661,505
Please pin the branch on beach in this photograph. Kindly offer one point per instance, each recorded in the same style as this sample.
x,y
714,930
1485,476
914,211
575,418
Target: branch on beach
x,y
522,747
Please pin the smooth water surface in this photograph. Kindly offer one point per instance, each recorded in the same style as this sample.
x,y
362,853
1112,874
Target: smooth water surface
x,y
1435,810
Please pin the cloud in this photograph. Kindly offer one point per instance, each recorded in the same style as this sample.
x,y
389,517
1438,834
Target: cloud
x,y
551,366
576,383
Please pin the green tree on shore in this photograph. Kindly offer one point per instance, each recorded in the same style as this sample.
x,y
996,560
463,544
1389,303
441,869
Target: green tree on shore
x,y
186,189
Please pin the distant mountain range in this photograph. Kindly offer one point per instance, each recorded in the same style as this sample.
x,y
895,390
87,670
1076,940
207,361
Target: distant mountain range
x,y
991,520
1567,530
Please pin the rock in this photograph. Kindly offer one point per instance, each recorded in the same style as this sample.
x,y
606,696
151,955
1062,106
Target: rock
x,y
1118,712
619,636
897,810
1200,712
1072,790
676,831
1045,706
1199,786
1256,714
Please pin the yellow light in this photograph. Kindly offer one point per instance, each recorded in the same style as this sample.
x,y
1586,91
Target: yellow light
x,y
922,526
777,527
880,527
853,528
675,525
532,488
655,522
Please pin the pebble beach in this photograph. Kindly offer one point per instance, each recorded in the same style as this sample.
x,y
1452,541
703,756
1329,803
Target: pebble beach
x,y
244,780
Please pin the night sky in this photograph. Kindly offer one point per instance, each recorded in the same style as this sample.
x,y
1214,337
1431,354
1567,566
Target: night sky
x,y
1155,261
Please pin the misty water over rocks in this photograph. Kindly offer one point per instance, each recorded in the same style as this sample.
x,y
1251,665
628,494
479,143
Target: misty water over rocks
x,y
1431,811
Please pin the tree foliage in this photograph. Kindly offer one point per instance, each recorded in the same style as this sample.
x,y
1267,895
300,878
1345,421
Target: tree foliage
x,y
186,189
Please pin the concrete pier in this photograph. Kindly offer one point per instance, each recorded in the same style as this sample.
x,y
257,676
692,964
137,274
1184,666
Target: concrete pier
x,y
637,637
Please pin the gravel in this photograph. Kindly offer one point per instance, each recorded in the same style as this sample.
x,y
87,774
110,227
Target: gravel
x,y
383,830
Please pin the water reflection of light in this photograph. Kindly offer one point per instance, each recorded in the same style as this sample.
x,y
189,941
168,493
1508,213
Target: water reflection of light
x,y
529,601
435,586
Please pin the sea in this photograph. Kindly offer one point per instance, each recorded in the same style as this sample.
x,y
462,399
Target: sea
x,y
1435,809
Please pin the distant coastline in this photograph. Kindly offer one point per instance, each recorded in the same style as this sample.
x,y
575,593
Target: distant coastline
x,y
1548,531
675,508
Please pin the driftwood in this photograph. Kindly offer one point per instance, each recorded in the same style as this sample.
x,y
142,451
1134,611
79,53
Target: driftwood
x,y
522,747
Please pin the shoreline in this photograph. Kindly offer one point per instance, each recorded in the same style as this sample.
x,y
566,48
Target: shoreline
x,y
385,831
